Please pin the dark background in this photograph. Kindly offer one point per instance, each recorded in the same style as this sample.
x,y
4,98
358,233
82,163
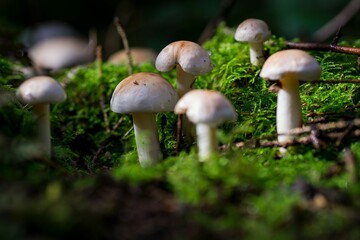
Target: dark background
x,y
156,23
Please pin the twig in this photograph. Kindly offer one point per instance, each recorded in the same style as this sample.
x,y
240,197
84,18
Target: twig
x,y
178,133
105,116
99,59
323,47
335,81
350,164
125,41
337,37
338,21
210,28
314,131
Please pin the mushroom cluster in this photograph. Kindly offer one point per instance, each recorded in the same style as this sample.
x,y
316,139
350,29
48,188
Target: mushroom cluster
x,y
191,60
144,94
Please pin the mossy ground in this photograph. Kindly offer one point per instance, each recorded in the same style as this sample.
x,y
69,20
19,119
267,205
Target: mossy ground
x,y
97,189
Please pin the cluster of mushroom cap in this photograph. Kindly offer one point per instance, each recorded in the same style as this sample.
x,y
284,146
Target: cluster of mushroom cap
x,y
190,60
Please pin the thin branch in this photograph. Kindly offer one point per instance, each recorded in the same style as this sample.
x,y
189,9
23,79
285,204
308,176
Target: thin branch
x,y
338,21
323,47
315,135
125,41
350,164
335,81
105,115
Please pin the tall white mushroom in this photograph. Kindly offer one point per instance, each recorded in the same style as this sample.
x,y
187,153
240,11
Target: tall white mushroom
x,y
255,32
39,92
206,109
191,60
143,95
288,67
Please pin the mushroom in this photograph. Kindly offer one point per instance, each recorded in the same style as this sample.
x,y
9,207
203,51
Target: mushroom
x,y
206,109
288,67
190,60
39,92
255,32
142,95
53,54
139,55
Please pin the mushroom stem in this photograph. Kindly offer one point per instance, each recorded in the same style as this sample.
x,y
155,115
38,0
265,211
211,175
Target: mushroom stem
x,y
146,136
256,53
184,81
184,84
41,114
206,140
288,112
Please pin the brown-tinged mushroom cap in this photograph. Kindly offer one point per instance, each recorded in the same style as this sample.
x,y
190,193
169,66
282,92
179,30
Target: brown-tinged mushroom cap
x,y
139,55
192,58
40,89
252,30
143,92
297,63
206,106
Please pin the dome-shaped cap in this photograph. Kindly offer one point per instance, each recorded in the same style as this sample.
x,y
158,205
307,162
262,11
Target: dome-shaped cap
x,y
39,90
143,92
252,30
296,62
139,55
192,58
57,53
206,106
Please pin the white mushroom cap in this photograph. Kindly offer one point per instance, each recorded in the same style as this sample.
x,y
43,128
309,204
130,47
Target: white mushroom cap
x,y
192,58
60,52
206,106
252,30
39,90
143,92
139,55
297,63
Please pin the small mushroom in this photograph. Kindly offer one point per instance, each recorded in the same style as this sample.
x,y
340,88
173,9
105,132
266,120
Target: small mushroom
x,y
139,55
255,32
288,67
206,109
191,60
39,92
142,95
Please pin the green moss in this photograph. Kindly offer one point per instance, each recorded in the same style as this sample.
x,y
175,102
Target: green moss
x,y
247,192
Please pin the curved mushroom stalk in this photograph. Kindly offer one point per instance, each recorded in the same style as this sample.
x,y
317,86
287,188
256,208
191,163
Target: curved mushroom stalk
x,y
288,112
206,140
41,114
256,53
184,81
